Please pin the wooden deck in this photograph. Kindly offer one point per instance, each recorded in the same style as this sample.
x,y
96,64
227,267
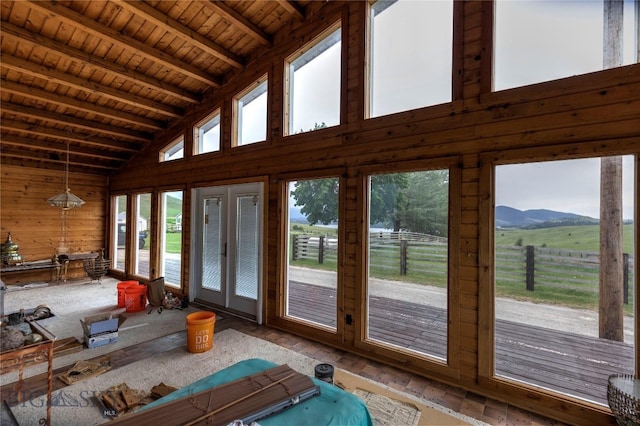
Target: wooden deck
x,y
564,362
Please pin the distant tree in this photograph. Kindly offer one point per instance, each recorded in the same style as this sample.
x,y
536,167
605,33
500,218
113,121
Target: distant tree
x,y
415,202
318,199
426,201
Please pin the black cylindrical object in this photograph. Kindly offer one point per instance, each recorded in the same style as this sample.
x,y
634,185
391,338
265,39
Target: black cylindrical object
x,y
324,372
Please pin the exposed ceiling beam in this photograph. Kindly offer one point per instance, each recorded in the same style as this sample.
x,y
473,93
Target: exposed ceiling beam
x,y
36,40
238,20
92,27
65,79
56,99
19,141
66,120
11,152
49,132
183,32
293,8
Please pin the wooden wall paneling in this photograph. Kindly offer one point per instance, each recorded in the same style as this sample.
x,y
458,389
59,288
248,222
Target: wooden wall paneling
x,y
39,232
356,59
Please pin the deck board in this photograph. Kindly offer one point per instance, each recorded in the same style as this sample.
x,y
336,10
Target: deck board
x,y
570,363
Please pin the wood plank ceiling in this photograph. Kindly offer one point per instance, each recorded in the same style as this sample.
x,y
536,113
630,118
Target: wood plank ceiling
x,y
104,77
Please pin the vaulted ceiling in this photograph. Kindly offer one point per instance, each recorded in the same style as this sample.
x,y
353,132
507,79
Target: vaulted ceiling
x,y
103,77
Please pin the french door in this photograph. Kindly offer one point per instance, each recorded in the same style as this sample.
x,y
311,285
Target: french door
x,y
227,262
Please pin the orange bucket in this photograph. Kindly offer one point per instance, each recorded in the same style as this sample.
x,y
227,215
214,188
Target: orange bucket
x,y
135,298
122,285
200,327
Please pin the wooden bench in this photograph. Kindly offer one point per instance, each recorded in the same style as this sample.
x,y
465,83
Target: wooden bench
x,y
33,266
60,265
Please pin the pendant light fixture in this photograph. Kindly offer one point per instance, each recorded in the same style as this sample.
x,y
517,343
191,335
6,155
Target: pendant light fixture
x,y
66,200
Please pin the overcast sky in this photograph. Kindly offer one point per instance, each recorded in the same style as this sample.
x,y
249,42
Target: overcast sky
x,y
571,186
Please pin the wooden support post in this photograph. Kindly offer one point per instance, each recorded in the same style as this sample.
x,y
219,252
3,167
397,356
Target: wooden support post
x,y
530,263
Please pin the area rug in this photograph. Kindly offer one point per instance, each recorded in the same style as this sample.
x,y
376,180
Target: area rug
x,y
72,302
76,404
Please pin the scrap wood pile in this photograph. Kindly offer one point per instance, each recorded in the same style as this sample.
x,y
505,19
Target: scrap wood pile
x,y
121,398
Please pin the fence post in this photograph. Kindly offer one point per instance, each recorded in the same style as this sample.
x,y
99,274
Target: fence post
x,y
625,277
321,249
295,247
530,264
403,257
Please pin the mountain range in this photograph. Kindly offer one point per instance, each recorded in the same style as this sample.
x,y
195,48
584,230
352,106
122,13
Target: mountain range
x,y
508,217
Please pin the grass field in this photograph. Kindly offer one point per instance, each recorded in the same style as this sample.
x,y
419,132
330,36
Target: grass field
x,y
582,238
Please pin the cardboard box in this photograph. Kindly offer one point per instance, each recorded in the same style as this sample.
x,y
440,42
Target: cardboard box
x,y
100,339
100,324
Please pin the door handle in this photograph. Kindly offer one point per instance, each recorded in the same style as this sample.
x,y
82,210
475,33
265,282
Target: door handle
x,y
224,252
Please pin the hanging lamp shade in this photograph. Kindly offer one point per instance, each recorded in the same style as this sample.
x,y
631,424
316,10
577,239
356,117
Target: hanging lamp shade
x,y
67,199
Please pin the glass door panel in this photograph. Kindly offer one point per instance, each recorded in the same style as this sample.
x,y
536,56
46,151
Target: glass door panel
x,y
246,262
212,244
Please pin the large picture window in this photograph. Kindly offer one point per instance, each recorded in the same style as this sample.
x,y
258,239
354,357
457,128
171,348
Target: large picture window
x,y
312,272
171,238
313,85
143,211
408,258
537,41
410,55
564,286
119,236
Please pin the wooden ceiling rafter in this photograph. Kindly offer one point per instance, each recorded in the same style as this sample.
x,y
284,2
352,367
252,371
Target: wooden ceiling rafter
x,y
239,21
183,32
109,77
32,112
45,131
89,153
123,41
58,77
48,157
55,98
25,36
293,8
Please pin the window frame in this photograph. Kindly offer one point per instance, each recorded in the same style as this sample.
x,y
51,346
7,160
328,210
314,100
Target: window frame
x,y
486,294
162,241
198,133
171,149
457,60
313,46
238,108
489,40
115,229
451,366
